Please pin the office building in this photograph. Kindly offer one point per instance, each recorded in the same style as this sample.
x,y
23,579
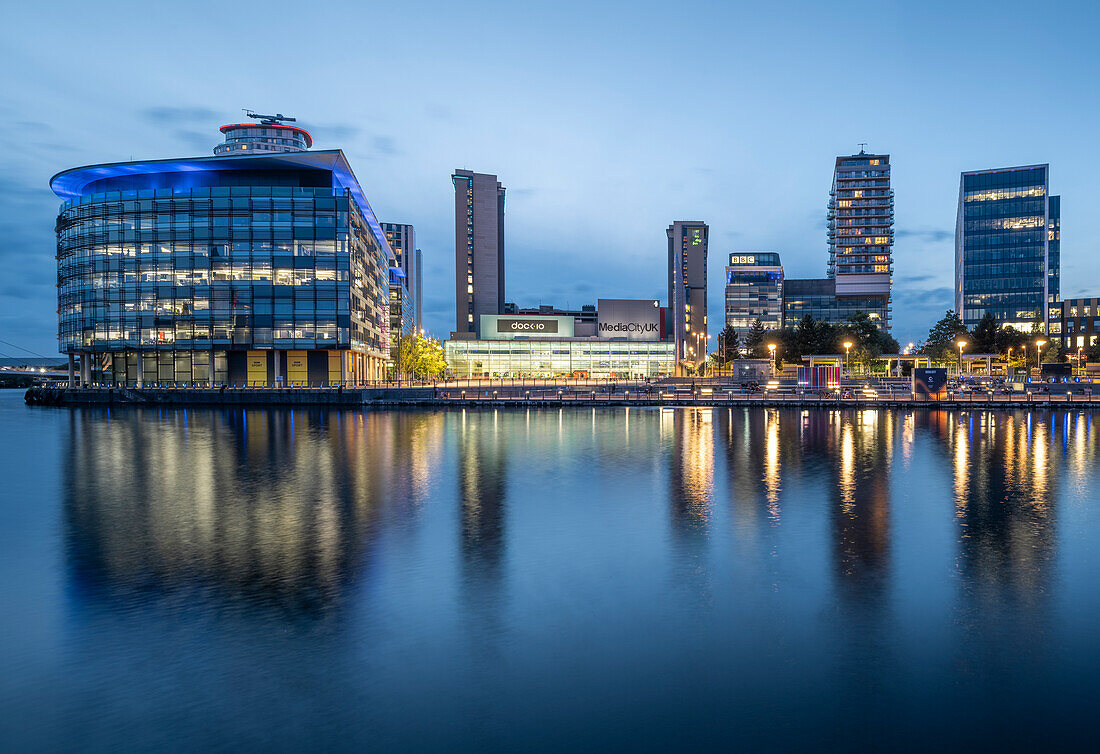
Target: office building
x,y
402,240
244,267
687,292
401,310
1079,323
754,291
861,233
628,344
817,297
479,248
1007,240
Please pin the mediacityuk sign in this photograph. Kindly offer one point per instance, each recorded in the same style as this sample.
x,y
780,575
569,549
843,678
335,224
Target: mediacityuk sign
x,y
630,319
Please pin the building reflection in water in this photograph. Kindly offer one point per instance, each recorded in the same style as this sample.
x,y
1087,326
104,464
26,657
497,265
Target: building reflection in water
x,y
279,508
691,472
483,487
1006,474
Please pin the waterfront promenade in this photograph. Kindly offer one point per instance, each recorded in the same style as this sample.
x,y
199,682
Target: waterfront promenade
x,y
885,394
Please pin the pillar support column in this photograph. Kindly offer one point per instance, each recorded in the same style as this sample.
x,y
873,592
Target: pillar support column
x,y
72,370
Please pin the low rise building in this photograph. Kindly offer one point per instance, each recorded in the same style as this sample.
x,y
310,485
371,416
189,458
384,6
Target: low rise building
x,y
627,344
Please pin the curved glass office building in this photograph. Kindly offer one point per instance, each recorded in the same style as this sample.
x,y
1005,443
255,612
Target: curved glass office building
x,y
260,269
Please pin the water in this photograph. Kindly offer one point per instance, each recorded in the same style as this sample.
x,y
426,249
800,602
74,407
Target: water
x,y
545,579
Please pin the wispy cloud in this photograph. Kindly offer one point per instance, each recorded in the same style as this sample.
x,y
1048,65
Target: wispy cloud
x,y
930,234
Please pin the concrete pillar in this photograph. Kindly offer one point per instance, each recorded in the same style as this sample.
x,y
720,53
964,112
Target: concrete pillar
x,y
343,367
278,374
85,369
141,369
72,370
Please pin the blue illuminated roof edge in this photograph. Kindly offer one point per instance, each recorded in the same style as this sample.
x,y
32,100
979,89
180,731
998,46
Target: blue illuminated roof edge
x,y
70,184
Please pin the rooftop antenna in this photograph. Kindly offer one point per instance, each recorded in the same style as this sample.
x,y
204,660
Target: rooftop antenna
x,y
862,144
269,120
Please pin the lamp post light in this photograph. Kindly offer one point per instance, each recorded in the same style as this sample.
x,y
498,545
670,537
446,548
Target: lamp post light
x,y
847,348
1039,355
771,350
960,344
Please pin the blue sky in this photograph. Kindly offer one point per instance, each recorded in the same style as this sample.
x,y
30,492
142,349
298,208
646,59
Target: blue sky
x,y
606,121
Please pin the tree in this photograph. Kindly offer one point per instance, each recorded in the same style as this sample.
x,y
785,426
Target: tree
x,y
754,341
983,339
420,356
727,345
941,338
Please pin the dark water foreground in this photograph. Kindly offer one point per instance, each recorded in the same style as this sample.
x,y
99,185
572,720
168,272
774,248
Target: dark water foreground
x,y
542,579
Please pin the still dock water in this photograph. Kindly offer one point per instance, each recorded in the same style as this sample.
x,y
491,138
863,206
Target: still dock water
x,y
547,579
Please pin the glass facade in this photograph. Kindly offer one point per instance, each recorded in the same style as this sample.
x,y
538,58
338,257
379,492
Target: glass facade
x,y
817,297
754,291
582,359
166,277
1007,239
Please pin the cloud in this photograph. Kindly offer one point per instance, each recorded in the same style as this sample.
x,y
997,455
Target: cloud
x,y
340,133
935,235
384,144
195,114
915,278
926,297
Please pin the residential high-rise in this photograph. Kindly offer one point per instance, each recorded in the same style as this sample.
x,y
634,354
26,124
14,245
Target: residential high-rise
x,y
479,248
754,291
402,240
687,292
861,232
243,267
1007,239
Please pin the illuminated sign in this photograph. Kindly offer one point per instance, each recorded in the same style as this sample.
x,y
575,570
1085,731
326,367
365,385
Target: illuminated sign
x,y
629,319
769,258
509,327
542,326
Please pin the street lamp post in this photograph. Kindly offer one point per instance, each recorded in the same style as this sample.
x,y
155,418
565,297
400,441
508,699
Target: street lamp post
x,y
1039,355
771,348
960,344
847,347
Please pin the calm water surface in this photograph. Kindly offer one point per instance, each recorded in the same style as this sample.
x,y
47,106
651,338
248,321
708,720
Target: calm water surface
x,y
576,579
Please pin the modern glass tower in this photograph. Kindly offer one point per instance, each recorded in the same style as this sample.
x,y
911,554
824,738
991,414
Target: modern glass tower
x,y
479,248
754,291
861,232
1007,239
251,266
687,292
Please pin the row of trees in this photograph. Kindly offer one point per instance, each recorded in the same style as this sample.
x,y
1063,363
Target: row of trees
x,y
809,337
988,337
818,337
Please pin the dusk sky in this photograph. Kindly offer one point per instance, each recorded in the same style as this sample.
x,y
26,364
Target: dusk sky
x,y
605,122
